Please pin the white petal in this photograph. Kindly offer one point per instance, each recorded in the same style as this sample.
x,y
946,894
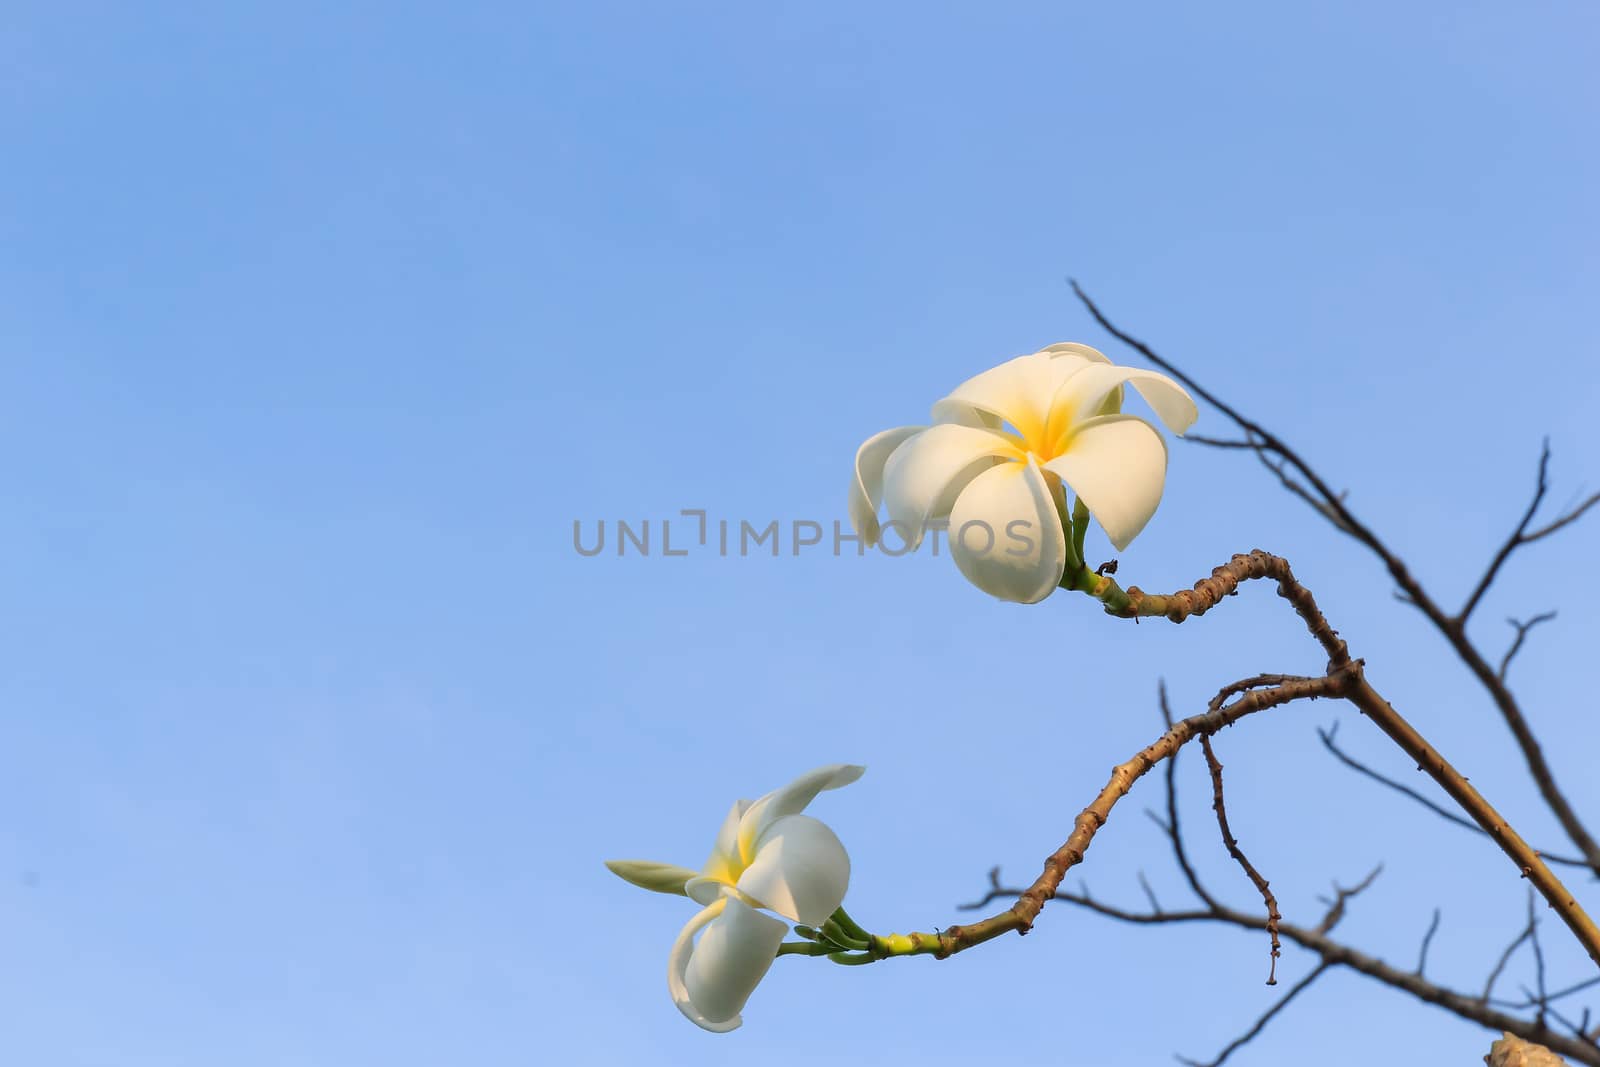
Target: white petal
x,y
711,981
801,870
1073,348
1018,391
866,492
659,877
929,470
1117,464
1006,536
1080,396
791,800
678,966
703,889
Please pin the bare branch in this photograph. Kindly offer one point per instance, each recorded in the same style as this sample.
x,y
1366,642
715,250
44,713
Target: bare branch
x,y
1019,918
1279,469
1564,519
1341,896
1522,629
1505,957
1269,443
1512,543
1539,875
1578,987
1261,1023
1427,941
1335,953
1217,805
1587,983
1255,681
1149,894
1346,678
1220,442
1171,825
1356,765
1531,1000
1576,1028
1543,1001
1305,482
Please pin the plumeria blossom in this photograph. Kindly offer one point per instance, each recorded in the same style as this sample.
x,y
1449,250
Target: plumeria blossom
x,y
767,858
1002,452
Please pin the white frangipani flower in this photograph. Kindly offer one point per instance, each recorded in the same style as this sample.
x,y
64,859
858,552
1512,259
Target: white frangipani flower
x,y
767,857
1002,450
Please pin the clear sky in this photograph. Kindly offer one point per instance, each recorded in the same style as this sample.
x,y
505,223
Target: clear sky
x,y
321,324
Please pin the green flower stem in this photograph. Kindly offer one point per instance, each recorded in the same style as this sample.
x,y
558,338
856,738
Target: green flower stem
x,y
1079,527
1074,541
881,948
905,945
832,931
849,925
833,936
854,951
1106,590
803,948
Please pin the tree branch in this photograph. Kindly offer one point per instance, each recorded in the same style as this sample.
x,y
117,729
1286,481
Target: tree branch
x,y
1021,915
1345,678
1332,506
1341,896
1427,942
1335,953
1522,629
1517,539
1261,1023
1356,765
1217,805
1500,964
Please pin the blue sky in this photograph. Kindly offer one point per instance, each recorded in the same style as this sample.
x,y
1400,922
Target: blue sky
x,y
321,327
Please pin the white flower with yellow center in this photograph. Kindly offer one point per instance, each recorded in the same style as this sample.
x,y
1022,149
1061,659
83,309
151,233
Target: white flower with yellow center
x,y
767,857
1004,448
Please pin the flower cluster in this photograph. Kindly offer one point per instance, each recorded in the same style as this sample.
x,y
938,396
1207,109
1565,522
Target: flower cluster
x,y
1002,453
1003,449
767,858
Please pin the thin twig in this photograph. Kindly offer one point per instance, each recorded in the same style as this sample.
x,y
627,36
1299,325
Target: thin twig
x,y
1261,1023
1576,1028
1356,765
1173,828
1587,983
1569,517
1517,539
1335,953
1262,887
1505,957
1427,941
1543,1002
1219,442
1149,894
1020,916
1341,896
1522,629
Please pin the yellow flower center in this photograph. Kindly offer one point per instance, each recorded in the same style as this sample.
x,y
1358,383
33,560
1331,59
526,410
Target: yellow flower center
x,y
725,869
